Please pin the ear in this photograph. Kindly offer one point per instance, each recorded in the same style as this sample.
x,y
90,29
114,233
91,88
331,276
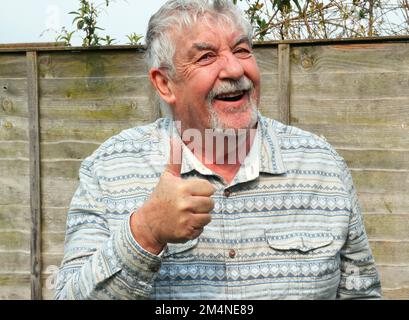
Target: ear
x,y
163,85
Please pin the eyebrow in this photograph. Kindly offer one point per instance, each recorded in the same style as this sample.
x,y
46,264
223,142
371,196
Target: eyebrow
x,y
242,39
203,46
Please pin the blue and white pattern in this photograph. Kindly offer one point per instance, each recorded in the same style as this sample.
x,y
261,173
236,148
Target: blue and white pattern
x,y
292,219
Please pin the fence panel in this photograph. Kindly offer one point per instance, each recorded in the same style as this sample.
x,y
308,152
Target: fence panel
x,y
15,220
356,95
353,93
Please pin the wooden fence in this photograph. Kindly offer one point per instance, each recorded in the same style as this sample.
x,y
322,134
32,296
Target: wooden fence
x,y
58,104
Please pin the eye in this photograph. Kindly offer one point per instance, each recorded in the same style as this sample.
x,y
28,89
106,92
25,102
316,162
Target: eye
x,y
206,58
242,52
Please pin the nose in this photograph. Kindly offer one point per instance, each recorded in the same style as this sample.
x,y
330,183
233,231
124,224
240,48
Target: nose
x,y
231,67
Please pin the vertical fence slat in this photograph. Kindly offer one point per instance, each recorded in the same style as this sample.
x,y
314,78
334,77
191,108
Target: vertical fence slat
x,y
35,191
284,83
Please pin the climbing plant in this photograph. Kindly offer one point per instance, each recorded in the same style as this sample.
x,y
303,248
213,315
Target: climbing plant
x,y
320,19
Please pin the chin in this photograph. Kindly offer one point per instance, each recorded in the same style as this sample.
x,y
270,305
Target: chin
x,y
234,120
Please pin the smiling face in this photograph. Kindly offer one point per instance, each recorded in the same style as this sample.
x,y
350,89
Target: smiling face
x,y
216,81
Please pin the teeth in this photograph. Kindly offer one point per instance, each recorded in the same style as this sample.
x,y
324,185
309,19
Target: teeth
x,y
229,94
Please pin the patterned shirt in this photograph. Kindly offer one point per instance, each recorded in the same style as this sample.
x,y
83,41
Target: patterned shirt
x,y
287,227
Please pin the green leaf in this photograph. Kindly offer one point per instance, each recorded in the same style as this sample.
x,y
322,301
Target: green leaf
x,y
80,24
298,5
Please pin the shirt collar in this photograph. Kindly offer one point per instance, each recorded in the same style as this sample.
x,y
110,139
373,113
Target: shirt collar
x,y
264,156
189,161
271,159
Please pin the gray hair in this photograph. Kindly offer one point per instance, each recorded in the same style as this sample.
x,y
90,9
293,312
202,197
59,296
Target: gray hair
x,y
175,16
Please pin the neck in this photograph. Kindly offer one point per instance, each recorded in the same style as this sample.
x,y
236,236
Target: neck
x,y
222,151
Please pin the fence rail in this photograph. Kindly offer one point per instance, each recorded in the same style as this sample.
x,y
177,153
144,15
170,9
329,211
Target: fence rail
x,y
57,104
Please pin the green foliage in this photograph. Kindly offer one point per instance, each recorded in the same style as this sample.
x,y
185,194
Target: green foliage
x,y
134,38
85,21
86,26
312,19
65,37
108,40
277,19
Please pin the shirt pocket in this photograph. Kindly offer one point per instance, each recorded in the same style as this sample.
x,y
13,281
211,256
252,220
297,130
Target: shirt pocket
x,y
180,251
302,242
307,261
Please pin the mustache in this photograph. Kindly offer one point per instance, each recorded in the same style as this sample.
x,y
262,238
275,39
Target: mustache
x,y
227,86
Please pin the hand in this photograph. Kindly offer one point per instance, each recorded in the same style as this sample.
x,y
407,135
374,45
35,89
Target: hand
x,y
176,211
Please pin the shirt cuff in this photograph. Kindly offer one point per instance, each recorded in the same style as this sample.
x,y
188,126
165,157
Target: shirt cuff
x,y
136,243
133,256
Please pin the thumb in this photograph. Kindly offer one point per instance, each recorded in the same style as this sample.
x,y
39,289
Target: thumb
x,y
174,165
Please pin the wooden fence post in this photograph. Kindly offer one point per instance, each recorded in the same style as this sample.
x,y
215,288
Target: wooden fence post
x,y
284,83
35,186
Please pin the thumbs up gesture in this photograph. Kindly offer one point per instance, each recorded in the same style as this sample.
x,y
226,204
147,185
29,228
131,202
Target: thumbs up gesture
x,y
176,211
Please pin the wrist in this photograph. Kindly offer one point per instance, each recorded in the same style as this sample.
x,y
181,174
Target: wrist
x,y
143,235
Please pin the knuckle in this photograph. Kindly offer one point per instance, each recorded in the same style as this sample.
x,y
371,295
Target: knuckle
x,y
211,187
183,222
206,183
182,205
180,187
203,182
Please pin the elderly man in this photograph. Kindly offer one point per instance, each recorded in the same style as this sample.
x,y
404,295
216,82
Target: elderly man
x,y
217,202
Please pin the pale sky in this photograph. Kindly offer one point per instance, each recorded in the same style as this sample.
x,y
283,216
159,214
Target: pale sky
x,y
29,20
26,20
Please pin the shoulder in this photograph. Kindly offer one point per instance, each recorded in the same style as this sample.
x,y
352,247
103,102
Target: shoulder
x,y
292,140
291,133
139,134
129,142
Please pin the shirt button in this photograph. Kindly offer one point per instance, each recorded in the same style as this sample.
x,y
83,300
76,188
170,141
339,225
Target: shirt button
x,y
232,253
227,193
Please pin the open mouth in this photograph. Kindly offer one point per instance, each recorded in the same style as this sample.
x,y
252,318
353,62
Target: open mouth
x,y
231,96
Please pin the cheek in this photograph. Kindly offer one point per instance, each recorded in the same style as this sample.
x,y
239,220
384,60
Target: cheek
x,y
254,73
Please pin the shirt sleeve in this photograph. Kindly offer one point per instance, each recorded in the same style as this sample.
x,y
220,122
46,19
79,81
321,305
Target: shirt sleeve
x,y
100,263
359,276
